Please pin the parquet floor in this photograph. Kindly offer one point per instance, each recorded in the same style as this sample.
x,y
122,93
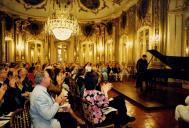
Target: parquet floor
x,y
163,118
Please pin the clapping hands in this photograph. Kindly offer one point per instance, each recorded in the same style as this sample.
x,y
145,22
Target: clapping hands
x,y
3,88
106,87
60,99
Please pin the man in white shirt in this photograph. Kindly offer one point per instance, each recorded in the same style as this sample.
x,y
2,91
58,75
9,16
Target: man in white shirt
x,y
42,106
182,111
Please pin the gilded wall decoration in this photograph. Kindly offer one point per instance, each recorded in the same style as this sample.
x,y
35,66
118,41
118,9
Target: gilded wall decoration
x,y
9,23
142,8
35,27
187,2
33,2
187,35
93,6
117,1
144,16
109,27
36,4
123,20
88,29
9,35
156,16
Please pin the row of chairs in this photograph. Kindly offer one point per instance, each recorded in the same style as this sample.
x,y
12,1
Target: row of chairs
x,y
21,118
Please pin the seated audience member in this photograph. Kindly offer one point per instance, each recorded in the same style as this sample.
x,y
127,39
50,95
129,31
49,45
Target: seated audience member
x,y
24,84
42,107
80,81
116,70
13,98
58,88
104,72
124,74
9,76
31,75
182,111
99,100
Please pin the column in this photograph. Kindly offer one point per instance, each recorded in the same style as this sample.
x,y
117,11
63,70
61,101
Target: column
x,y
2,39
163,25
116,50
53,56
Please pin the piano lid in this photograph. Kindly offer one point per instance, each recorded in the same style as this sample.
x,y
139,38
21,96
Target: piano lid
x,y
174,62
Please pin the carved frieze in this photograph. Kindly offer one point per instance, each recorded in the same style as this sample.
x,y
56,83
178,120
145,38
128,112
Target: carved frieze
x,y
36,4
144,13
93,6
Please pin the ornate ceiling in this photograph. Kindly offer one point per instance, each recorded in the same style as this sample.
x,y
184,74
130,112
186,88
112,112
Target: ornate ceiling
x,y
84,10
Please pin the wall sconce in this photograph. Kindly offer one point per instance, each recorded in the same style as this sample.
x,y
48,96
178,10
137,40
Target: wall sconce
x,y
20,47
100,48
187,51
74,53
125,45
128,45
32,55
156,41
90,53
19,51
109,41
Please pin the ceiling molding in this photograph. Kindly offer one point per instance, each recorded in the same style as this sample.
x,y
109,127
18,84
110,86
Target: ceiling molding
x,y
106,14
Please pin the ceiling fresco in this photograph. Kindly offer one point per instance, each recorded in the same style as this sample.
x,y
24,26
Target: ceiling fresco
x,y
28,4
91,4
84,10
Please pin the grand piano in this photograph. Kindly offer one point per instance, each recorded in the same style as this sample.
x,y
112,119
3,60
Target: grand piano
x,y
178,68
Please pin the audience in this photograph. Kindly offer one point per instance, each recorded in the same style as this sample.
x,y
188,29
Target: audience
x,y
99,100
51,91
68,118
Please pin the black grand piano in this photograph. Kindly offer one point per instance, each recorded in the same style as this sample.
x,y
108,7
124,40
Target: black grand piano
x,y
178,68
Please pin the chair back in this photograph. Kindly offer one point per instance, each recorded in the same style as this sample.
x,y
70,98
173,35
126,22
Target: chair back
x,y
26,113
21,117
86,112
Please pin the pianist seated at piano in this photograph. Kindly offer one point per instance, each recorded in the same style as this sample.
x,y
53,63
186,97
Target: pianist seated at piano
x,y
182,111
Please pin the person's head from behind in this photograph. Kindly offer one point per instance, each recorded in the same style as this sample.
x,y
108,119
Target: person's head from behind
x,y
9,74
31,70
144,57
81,72
90,83
43,78
59,76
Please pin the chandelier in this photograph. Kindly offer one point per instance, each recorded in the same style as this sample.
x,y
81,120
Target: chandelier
x,y
61,23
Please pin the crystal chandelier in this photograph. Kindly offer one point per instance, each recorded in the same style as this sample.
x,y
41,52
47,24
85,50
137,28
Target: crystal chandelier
x,y
61,23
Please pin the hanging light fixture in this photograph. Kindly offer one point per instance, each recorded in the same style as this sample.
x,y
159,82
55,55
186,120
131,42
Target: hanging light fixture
x,y
61,23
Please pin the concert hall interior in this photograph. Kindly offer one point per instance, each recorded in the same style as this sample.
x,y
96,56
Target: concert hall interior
x,y
94,63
